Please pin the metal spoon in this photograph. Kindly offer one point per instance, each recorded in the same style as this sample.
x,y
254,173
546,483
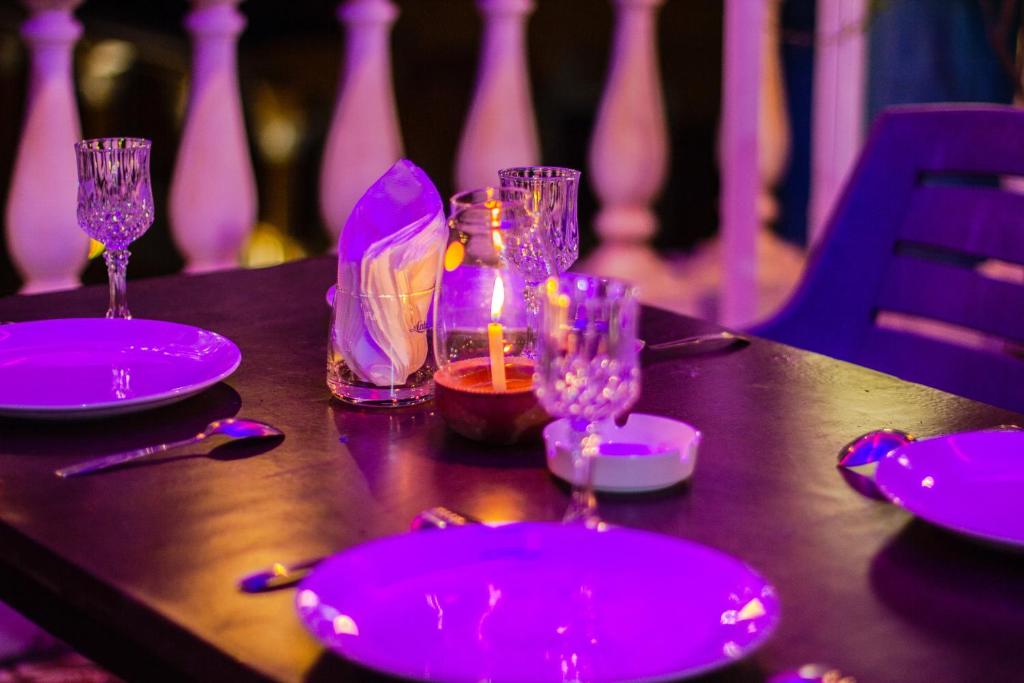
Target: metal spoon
x,y
283,576
233,428
858,460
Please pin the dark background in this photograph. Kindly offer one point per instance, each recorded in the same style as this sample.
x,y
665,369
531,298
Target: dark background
x,y
289,61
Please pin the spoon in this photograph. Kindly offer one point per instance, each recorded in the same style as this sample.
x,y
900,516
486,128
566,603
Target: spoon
x,y
283,576
858,460
233,428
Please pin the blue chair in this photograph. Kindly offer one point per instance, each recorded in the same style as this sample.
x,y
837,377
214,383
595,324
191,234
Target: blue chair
x,y
899,281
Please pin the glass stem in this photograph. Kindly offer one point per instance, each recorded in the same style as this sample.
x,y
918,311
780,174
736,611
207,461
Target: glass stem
x,y
583,505
531,303
117,274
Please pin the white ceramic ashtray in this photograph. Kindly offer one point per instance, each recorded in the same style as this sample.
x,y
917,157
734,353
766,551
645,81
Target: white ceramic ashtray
x,y
646,454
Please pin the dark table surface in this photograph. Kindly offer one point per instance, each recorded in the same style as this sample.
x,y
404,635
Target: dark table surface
x,y
137,567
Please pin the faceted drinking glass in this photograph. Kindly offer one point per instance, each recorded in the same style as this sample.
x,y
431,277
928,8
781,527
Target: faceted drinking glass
x,y
115,204
587,367
552,191
379,349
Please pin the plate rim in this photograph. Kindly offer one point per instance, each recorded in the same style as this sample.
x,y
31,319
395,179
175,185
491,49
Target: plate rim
x,y
1015,543
763,637
162,398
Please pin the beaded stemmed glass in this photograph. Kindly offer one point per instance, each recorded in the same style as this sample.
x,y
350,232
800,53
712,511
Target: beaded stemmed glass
x,y
551,191
115,204
587,368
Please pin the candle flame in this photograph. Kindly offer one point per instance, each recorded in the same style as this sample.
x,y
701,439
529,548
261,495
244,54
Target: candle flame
x,y
497,297
497,240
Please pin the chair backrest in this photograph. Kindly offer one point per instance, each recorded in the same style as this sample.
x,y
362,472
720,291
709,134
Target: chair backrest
x,y
918,273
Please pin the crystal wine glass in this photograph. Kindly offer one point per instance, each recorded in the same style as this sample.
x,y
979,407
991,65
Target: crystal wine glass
x,y
552,191
115,204
587,368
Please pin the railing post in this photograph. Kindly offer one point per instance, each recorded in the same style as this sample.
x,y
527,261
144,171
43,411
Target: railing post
x,y
628,159
500,129
45,243
773,123
739,157
364,139
629,150
212,205
837,122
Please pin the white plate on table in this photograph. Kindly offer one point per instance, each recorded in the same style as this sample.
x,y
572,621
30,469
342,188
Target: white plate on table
x,y
79,368
537,602
971,483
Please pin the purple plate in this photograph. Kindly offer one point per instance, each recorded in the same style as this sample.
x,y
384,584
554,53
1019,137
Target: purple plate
x,y
537,602
970,483
79,368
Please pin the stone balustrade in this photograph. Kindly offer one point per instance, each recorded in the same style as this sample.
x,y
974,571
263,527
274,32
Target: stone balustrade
x,y
212,204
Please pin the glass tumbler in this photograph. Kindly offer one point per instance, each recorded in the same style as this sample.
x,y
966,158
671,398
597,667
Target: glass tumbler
x,y
380,348
552,191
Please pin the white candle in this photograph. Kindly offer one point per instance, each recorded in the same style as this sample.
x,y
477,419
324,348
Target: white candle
x,y
495,337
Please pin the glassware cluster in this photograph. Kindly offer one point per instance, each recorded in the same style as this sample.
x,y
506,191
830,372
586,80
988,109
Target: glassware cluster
x,y
516,340
115,204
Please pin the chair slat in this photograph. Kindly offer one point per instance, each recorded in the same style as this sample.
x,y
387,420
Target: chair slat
x,y
955,294
982,221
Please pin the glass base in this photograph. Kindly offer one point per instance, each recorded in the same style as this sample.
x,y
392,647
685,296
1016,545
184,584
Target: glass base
x,y
346,387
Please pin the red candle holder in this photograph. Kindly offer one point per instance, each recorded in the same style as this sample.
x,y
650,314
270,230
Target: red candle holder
x,y
467,400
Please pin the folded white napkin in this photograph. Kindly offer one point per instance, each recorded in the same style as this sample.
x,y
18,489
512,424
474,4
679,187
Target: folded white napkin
x,y
389,255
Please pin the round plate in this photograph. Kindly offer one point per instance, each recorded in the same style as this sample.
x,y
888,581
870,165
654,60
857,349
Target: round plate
x,y
970,483
93,367
537,602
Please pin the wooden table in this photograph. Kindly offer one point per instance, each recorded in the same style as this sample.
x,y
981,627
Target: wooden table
x,y
137,567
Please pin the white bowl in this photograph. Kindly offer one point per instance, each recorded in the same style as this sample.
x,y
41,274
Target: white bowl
x,y
646,454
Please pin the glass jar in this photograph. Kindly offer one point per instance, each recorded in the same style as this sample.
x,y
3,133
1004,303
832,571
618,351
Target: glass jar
x,y
483,332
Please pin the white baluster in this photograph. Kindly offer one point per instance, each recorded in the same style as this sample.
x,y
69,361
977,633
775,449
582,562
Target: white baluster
x,y
739,155
837,123
773,124
779,264
500,130
629,151
213,191
44,240
364,138
628,158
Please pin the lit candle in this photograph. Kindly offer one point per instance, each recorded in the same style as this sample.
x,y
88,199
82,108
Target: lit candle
x,y
495,335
